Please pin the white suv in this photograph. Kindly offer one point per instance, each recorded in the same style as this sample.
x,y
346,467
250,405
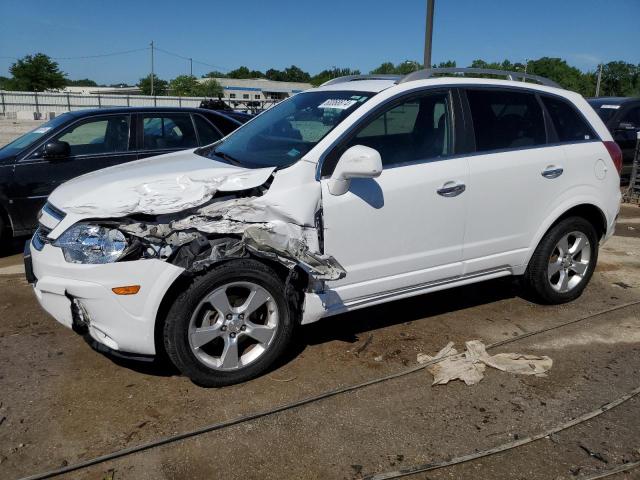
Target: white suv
x,y
362,191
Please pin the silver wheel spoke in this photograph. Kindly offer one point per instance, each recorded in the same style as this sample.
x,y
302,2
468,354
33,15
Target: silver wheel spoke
x,y
564,281
554,267
220,301
255,300
580,268
229,357
202,336
260,333
563,245
578,245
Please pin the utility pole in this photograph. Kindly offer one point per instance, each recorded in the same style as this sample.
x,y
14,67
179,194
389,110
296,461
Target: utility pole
x,y
191,67
526,64
598,82
152,68
428,34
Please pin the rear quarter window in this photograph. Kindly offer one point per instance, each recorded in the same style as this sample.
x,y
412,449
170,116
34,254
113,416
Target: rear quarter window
x,y
570,125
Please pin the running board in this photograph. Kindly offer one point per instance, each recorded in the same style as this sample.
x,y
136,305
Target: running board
x,y
404,292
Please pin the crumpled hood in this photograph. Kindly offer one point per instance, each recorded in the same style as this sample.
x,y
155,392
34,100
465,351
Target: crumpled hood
x,y
157,185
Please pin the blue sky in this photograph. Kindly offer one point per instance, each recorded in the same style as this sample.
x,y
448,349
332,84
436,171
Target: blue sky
x,y
311,34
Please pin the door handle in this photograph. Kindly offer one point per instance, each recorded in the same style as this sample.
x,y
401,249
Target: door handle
x,y
552,171
452,189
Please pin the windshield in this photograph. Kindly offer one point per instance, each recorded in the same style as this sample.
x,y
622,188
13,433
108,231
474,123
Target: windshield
x,y
31,137
281,135
604,110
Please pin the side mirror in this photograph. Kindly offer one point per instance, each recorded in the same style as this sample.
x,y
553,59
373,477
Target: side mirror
x,y
357,162
56,150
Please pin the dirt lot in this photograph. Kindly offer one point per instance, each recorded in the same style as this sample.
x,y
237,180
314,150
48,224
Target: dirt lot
x,y
61,402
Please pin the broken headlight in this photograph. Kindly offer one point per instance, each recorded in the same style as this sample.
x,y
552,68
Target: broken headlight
x,y
85,243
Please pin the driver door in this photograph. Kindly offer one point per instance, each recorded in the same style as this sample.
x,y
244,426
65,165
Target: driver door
x,y
95,143
406,227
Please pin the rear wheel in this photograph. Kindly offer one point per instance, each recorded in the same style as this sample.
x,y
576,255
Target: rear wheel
x,y
230,325
563,262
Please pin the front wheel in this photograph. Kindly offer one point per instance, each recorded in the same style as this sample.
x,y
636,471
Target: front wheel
x,y
563,262
230,324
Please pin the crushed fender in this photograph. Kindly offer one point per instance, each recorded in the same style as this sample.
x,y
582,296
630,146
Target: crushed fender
x,y
234,228
470,365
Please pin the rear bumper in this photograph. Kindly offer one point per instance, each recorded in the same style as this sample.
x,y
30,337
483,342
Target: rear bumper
x,y
124,323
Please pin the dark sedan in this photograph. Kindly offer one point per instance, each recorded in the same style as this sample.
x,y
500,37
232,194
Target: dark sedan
x,y
621,115
78,142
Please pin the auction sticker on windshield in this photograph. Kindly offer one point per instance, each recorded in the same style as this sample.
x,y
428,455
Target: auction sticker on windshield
x,y
337,103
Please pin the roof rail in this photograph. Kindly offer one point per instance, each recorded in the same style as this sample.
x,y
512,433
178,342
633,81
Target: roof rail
x,y
429,72
354,78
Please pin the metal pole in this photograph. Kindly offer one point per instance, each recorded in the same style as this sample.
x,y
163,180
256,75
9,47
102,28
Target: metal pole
x,y
4,108
599,79
152,68
526,64
191,67
428,34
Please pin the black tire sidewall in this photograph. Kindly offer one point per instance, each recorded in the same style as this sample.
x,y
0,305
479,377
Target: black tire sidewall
x,y
536,274
179,316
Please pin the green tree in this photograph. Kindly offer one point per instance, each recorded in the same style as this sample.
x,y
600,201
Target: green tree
x,y
296,74
276,75
214,74
559,71
159,86
387,68
209,88
36,73
244,72
620,79
84,82
326,75
184,86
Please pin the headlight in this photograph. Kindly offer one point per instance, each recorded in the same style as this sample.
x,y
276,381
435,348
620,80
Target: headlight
x,y
84,243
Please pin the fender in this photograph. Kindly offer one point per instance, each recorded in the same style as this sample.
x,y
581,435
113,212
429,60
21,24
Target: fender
x,y
574,197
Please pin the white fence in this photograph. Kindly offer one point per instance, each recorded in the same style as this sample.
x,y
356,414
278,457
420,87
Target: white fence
x,y
42,104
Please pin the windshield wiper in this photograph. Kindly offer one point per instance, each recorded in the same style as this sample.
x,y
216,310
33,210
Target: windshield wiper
x,y
227,157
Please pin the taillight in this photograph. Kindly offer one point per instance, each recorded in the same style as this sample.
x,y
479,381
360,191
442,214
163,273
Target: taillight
x,y
615,153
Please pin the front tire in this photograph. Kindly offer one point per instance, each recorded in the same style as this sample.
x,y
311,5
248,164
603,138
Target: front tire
x,y
563,262
230,324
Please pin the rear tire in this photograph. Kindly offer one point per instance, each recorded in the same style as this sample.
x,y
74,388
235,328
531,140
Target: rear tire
x,y
230,324
563,262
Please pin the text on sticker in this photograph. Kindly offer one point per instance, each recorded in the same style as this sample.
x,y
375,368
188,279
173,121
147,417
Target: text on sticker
x,y
337,103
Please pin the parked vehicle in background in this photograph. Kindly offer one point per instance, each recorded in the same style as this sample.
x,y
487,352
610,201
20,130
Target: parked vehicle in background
x,y
77,142
362,191
621,115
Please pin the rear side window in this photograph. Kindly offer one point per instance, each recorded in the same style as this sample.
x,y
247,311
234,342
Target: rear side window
x,y
569,124
168,132
206,132
506,119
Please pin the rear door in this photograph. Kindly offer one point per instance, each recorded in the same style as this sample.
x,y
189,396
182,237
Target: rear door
x,y
515,175
165,133
95,142
625,134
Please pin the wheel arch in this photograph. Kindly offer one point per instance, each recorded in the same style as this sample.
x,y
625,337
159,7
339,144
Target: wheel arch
x,y
295,282
585,209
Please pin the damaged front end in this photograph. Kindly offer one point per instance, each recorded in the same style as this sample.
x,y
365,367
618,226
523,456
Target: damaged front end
x,y
227,228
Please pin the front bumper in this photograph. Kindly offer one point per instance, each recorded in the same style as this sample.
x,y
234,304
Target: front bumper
x,y
123,323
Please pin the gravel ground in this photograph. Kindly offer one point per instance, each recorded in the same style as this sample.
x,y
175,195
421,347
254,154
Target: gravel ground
x,y
61,402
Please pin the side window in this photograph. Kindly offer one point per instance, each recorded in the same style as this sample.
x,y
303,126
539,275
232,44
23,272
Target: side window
x,y
168,131
98,135
505,119
632,116
569,124
416,129
206,132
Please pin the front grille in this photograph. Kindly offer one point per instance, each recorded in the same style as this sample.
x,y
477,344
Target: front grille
x,y
40,237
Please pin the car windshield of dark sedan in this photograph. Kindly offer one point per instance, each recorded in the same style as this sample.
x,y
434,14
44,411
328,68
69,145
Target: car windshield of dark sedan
x,y
31,137
281,135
